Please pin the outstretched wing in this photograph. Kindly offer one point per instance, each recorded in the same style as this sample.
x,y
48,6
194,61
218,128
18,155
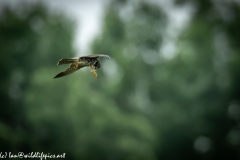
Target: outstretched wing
x,y
67,60
72,68
95,56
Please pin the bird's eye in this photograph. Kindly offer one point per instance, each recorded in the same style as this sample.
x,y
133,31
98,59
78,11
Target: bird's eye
x,y
97,64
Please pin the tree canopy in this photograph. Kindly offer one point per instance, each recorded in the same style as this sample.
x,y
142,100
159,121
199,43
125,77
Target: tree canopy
x,y
145,104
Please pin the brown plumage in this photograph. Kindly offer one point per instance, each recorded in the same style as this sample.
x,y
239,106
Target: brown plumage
x,y
80,62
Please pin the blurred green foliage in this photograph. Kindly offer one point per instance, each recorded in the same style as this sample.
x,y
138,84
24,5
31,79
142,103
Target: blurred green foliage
x,y
143,105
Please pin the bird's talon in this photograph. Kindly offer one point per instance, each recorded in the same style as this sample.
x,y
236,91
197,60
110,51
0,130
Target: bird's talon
x,y
95,73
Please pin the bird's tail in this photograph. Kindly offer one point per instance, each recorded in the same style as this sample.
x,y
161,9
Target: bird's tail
x,y
66,61
61,74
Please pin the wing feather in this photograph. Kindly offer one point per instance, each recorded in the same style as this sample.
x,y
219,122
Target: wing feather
x,y
96,56
67,61
68,71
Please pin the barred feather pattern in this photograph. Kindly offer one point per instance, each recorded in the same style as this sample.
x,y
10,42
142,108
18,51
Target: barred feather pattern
x,y
66,61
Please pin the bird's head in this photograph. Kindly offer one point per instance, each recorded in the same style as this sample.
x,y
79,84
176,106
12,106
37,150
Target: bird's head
x,y
97,64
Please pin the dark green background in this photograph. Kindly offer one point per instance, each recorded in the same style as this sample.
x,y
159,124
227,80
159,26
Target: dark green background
x,y
143,105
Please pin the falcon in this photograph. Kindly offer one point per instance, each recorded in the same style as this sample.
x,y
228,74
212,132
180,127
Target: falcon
x,y
80,62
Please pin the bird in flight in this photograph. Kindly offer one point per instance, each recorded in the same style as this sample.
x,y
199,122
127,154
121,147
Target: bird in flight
x,y
80,62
